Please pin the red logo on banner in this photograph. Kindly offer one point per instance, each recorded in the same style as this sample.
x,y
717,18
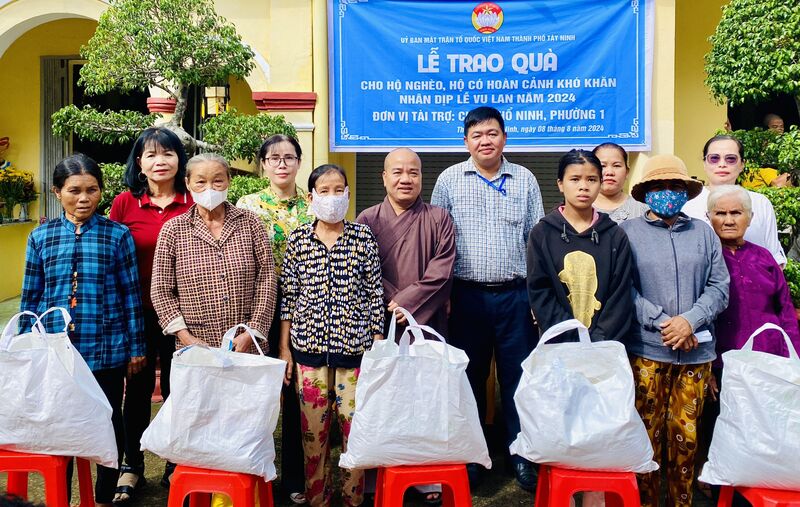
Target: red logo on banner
x,y
487,17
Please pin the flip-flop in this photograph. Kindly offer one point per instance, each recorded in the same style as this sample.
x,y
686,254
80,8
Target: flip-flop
x,y
298,498
131,480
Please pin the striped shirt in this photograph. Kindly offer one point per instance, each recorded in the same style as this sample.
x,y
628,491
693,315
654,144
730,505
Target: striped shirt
x,y
108,312
491,226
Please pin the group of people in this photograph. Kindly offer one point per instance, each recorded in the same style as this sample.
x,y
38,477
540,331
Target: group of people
x,y
176,264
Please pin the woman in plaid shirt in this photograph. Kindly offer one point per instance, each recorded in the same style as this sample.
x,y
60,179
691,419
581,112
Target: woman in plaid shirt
x,y
213,266
87,263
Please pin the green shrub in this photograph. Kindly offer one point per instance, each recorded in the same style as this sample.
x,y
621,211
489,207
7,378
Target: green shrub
x,y
244,185
792,274
114,184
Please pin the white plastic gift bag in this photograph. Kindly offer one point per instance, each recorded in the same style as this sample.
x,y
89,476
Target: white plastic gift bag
x,y
414,405
756,440
50,402
222,410
576,406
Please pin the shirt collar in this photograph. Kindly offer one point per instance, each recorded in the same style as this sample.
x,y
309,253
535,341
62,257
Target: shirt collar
x,y
300,195
84,227
505,168
178,198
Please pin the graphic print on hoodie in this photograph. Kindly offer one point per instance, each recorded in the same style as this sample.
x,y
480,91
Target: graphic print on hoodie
x,y
586,276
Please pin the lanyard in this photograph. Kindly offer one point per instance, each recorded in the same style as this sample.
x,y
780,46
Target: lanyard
x,y
500,188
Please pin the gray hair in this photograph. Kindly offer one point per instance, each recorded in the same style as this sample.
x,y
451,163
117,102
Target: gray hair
x,y
732,190
207,157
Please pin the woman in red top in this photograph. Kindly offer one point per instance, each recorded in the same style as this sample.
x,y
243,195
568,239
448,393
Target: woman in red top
x,y
155,176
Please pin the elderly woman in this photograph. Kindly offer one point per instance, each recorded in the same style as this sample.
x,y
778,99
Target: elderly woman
x,y
612,198
283,206
155,175
723,161
680,286
331,312
213,265
87,263
758,291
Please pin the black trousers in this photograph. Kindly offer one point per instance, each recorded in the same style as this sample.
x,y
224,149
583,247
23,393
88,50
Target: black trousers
x,y
139,388
292,467
486,323
111,381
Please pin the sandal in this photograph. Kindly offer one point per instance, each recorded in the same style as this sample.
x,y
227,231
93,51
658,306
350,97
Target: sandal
x,y
131,479
298,498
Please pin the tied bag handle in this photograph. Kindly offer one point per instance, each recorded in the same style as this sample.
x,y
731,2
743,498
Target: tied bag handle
x,y
12,326
563,327
230,334
749,344
417,330
411,328
393,323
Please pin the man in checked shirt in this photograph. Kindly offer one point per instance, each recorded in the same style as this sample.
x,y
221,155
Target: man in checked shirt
x,y
494,205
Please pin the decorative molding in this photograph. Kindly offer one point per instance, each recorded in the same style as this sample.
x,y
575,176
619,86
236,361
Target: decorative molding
x,y
285,101
303,127
161,105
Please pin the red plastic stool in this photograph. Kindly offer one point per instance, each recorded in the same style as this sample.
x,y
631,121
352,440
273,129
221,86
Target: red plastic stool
x,y
240,488
760,497
53,470
557,485
393,482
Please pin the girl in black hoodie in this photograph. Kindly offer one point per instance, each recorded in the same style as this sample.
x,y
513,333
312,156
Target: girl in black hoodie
x,y
579,260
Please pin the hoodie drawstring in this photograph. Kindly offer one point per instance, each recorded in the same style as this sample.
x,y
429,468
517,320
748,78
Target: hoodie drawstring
x,y
564,236
595,237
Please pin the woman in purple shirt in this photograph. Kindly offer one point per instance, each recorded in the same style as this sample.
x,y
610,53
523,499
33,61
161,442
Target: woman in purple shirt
x,y
758,291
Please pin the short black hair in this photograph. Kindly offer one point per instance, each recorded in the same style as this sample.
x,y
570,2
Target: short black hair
x,y
168,140
321,171
76,165
724,137
279,138
613,146
579,157
483,114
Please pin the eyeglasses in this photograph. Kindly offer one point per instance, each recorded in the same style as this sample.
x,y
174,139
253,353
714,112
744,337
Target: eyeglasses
x,y
714,158
275,160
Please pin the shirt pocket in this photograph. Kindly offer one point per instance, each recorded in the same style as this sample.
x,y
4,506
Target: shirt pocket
x,y
512,211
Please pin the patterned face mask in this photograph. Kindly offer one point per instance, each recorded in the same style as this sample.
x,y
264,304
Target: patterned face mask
x,y
329,208
666,203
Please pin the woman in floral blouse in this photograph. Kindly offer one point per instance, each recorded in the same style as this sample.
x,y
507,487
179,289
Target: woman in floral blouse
x,y
282,206
331,312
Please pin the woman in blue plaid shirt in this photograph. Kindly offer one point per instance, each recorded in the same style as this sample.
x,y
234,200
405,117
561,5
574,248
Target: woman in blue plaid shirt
x,y
87,263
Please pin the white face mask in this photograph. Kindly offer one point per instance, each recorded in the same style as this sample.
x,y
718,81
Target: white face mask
x,y
210,198
330,209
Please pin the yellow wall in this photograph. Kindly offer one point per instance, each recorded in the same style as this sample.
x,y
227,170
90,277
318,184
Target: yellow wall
x,y
12,255
20,120
697,117
291,35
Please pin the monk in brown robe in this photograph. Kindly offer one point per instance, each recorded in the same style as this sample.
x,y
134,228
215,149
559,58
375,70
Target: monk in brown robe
x,y
417,247
416,242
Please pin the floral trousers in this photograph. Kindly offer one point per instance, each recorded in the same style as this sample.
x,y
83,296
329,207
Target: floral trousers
x,y
324,393
669,398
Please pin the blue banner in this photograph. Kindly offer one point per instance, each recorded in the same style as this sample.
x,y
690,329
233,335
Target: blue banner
x,y
563,73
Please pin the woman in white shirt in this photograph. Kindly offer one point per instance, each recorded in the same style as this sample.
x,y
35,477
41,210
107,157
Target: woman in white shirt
x,y
723,160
